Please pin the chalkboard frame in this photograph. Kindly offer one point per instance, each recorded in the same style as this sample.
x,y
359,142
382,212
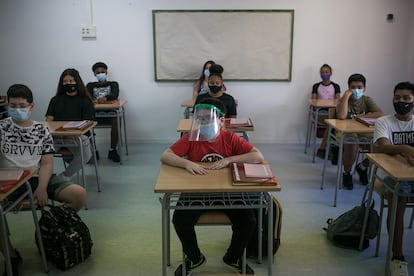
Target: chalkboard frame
x,y
166,28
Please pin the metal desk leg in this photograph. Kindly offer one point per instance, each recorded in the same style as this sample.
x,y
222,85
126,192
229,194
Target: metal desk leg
x,y
315,129
165,247
82,165
4,241
307,142
120,141
368,204
260,233
392,228
269,234
98,180
37,227
328,148
125,132
339,169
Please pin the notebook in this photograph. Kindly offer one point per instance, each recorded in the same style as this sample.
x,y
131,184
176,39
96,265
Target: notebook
x,y
75,125
366,121
261,174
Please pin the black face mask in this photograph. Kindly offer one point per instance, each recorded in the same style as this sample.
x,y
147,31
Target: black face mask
x,y
403,108
214,89
69,88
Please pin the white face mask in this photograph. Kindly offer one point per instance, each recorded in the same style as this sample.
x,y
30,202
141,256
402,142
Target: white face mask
x,y
101,77
19,114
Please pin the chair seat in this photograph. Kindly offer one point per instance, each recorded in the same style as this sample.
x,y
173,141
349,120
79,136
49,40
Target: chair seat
x,y
213,218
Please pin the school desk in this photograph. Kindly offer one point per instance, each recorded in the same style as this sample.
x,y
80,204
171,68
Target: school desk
x,y
343,134
316,107
215,187
61,139
6,206
399,171
188,105
114,109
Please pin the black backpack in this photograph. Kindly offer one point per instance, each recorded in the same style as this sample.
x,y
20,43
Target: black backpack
x,y
66,237
345,231
252,246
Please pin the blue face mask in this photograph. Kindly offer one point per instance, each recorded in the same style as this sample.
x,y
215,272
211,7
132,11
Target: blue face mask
x,y
357,93
19,114
209,131
101,77
206,73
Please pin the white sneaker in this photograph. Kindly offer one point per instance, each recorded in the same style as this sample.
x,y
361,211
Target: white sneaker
x,y
399,268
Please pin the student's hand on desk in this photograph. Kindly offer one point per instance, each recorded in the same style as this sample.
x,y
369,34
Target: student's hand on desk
x,y
195,168
219,164
41,196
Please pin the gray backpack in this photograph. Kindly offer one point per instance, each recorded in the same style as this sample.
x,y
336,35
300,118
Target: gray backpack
x,y
345,231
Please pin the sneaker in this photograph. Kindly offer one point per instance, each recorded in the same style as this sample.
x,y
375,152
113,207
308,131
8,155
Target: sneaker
x,y
237,266
189,266
114,156
321,153
363,174
347,181
399,268
15,261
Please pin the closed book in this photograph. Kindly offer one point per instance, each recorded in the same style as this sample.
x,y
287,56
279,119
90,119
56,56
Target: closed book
x,y
370,122
238,122
258,175
76,125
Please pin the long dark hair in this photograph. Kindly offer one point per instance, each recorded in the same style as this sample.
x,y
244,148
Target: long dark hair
x,y
80,86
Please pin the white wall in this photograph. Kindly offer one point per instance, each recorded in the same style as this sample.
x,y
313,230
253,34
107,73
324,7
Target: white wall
x,y
39,39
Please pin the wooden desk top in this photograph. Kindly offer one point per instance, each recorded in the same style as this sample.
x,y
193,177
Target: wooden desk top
x,y
321,103
177,180
184,125
111,105
188,103
349,126
21,182
53,125
394,167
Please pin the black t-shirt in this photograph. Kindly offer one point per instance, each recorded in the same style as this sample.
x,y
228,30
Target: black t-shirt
x,y
226,99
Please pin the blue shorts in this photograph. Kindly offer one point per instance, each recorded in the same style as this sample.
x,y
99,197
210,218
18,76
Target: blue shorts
x,y
406,187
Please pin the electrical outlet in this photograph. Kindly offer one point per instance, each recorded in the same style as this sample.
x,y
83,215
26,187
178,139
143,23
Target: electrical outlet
x,y
88,31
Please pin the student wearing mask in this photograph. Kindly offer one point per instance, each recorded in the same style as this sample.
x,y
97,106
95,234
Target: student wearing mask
x,y
325,89
72,102
217,148
354,103
20,131
103,91
200,86
394,135
216,87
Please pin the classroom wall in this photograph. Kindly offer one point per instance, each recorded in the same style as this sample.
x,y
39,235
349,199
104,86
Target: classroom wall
x,y
39,39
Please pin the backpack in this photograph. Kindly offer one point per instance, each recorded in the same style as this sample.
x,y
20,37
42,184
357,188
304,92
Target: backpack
x,y
66,238
345,231
252,246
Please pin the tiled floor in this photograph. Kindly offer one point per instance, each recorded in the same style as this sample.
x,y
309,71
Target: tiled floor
x,y
125,222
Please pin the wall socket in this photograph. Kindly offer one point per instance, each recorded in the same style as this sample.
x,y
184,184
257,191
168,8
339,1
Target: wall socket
x,y
88,32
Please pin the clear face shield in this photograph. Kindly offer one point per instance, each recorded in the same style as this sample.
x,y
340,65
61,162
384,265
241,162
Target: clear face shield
x,y
206,123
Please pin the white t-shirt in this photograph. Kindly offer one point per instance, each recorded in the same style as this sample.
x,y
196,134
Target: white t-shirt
x,y
23,147
397,132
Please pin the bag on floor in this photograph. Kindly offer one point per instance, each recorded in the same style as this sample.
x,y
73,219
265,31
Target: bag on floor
x,y
252,247
345,231
66,238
